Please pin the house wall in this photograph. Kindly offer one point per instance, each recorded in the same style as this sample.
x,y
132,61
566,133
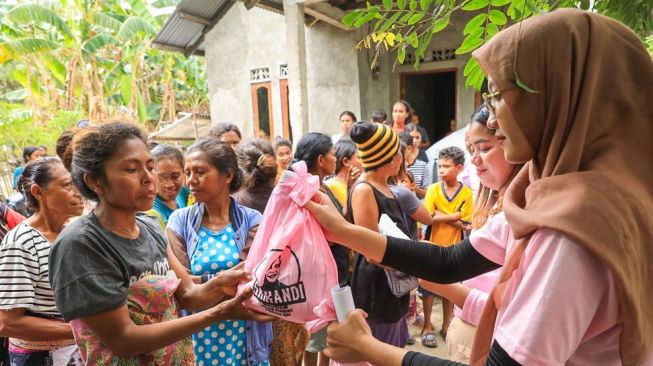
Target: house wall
x,y
338,77
244,40
332,72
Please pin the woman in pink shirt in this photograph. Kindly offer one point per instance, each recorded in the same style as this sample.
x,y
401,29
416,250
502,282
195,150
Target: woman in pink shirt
x,y
575,236
495,174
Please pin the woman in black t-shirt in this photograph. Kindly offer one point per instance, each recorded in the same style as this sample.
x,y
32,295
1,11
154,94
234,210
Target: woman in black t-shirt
x,y
113,276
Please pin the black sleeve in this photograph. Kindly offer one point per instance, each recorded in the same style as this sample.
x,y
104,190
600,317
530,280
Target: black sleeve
x,y
435,263
497,357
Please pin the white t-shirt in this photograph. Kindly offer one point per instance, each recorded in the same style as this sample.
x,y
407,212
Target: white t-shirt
x,y
561,306
24,274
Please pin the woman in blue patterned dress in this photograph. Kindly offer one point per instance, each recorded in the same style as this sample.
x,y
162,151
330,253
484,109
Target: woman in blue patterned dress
x,y
214,235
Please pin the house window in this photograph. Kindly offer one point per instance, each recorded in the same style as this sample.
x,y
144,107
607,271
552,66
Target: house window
x,y
283,71
259,75
262,104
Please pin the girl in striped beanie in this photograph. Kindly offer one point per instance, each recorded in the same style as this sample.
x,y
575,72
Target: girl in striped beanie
x,y
370,197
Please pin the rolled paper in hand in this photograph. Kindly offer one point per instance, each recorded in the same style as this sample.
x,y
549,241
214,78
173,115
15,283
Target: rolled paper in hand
x,y
343,301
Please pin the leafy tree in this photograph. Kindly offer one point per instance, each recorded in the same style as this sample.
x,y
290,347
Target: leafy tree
x,y
410,25
94,56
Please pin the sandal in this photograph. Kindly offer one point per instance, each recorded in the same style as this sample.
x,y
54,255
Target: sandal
x,y
411,340
429,340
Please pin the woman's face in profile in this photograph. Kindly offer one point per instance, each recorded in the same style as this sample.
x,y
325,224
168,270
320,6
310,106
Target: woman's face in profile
x,y
515,146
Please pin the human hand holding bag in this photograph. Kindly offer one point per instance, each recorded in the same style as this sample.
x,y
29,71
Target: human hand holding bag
x,y
290,261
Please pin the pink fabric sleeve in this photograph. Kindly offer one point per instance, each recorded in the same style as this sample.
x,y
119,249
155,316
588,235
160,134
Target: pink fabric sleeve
x,y
492,239
561,305
473,306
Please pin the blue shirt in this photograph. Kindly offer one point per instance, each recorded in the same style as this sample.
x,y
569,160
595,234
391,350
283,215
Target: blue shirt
x,y
186,223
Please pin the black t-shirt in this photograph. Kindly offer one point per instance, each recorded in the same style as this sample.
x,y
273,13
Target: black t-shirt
x,y
369,283
340,253
92,268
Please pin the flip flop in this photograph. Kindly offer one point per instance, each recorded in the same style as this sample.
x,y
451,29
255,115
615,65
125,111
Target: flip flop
x,y
429,340
411,340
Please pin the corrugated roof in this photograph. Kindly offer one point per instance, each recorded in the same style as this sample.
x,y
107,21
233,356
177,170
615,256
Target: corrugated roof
x,y
192,19
184,129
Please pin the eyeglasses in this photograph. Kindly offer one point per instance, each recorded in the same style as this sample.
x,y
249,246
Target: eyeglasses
x,y
488,99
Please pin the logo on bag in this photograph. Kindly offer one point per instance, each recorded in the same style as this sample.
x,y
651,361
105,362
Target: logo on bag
x,y
274,295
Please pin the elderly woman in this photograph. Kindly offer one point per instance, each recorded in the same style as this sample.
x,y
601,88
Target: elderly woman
x,y
29,317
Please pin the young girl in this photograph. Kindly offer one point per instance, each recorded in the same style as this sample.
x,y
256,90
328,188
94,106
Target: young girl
x,y
283,154
378,147
211,237
170,172
29,317
111,272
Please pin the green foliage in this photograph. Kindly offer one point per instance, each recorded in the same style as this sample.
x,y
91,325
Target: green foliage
x,y
411,30
90,58
18,130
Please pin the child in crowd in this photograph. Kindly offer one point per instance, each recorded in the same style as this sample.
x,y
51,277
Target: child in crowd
x,y
418,168
379,116
451,202
283,154
170,170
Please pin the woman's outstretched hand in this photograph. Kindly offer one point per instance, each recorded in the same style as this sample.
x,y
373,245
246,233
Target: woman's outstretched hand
x,y
234,309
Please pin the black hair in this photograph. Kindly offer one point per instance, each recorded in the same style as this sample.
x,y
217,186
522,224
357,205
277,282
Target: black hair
x,y
93,146
408,109
280,141
311,146
454,153
37,172
223,157
345,149
481,115
379,116
406,138
224,127
63,148
348,113
28,151
162,152
256,159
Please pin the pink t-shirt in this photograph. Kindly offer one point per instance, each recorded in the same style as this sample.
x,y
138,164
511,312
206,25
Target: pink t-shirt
x,y
561,306
475,302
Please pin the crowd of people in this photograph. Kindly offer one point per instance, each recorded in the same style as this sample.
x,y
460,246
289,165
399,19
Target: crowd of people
x,y
132,251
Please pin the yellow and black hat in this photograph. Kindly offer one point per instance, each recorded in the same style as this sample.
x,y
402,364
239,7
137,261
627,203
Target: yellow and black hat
x,y
377,143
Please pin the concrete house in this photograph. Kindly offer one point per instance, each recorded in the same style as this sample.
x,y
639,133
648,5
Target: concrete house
x,y
286,67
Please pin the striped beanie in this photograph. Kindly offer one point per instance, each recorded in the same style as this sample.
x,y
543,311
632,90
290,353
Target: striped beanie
x,y
377,143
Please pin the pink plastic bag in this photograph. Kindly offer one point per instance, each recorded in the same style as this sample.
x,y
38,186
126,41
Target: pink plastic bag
x,y
290,259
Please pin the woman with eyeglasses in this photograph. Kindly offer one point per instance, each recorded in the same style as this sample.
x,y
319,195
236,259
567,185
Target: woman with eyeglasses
x,y
575,236
170,171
